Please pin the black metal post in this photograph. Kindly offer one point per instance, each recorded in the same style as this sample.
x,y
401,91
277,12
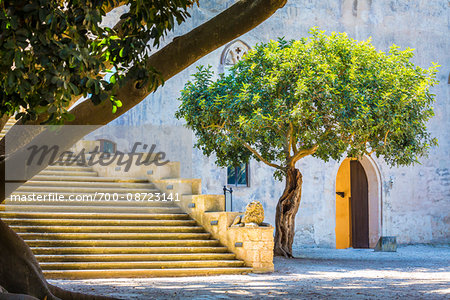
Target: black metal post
x,y
230,190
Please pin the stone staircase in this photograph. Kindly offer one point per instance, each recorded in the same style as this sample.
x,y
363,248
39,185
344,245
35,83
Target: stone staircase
x,y
7,126
110,239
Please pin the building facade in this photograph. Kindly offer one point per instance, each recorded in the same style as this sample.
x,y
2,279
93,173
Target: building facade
x,y
411,203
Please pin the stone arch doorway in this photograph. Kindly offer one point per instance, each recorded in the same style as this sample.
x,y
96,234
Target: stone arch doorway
x,y
358,204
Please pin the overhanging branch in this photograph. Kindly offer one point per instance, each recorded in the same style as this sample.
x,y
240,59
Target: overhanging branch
x,y
176,56
262,158
181,53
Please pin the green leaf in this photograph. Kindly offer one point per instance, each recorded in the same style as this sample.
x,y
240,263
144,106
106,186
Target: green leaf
x,y
69,117
75,90
41,109
90,82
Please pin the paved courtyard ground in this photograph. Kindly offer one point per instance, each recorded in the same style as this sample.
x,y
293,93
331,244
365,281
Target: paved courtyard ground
x,y
414,272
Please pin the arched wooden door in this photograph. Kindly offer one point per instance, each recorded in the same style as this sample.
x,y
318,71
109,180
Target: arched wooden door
x,y
359,203
352,206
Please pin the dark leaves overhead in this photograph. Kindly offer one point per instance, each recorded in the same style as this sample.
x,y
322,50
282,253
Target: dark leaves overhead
x,y
52,52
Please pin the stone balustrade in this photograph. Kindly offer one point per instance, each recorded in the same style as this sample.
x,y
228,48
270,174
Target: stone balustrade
x,y
252,245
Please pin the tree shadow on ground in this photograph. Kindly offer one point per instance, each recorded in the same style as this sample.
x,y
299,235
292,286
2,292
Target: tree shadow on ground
x,y
304,278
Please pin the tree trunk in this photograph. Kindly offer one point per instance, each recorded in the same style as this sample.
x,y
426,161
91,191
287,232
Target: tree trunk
x,y
287,208
20,272
3,121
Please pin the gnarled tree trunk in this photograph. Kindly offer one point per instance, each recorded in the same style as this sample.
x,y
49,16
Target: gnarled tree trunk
x,y
19,271
287,208
21,274
3,121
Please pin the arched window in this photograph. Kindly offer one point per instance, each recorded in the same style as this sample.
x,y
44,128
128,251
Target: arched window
x,y
233,52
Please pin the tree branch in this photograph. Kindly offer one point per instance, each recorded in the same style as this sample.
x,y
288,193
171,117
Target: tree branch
x,y
262,158
181,53
289,138
246,145
109,8
302,153
294,142
385,139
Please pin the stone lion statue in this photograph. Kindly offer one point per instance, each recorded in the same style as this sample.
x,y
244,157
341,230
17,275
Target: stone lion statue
x,y
253,216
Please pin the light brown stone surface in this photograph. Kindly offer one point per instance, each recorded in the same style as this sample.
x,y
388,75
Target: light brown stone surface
x,y
255,240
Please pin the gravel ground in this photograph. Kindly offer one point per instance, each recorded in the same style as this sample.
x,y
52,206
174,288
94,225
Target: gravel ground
x,y
413,272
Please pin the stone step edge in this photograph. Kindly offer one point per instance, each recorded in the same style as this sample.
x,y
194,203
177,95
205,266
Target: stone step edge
x,y
144,273
89,183
90,178
119,256
113,236
156,262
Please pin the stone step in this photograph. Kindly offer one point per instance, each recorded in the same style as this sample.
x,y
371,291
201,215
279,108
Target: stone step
x,y
91,216
26,190
91,209
102,236
127,250
140,265
118,203
72,159
124,195
41,177
180,221
106,229
68,173
97,184
74,167
122,243
134,257
142,273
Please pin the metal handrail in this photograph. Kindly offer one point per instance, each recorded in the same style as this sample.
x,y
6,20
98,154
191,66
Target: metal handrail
x,y
230,190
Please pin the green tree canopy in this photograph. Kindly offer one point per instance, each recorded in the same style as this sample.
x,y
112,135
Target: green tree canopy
x,y
325,96
53,51
322,95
